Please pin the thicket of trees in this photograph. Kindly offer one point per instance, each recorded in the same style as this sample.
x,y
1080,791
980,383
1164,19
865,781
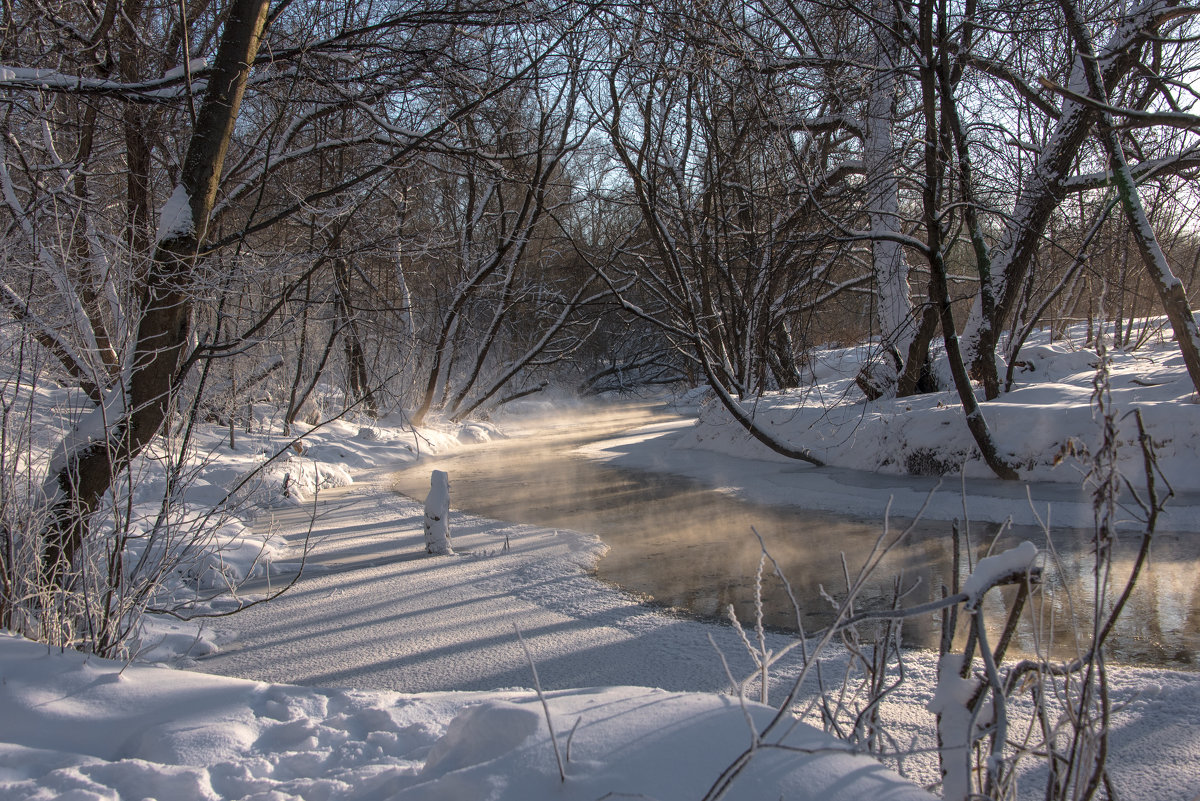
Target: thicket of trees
x,y
440,205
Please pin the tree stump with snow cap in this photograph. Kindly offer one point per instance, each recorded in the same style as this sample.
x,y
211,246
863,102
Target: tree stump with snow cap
x,y
437,515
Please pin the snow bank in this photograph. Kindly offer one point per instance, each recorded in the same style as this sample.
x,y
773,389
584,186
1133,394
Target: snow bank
x,y
88,728
1044,425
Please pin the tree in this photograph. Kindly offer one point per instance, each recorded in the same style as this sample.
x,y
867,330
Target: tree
x,y
944,148
130,312
132,414
732,187
1170,289
1129,62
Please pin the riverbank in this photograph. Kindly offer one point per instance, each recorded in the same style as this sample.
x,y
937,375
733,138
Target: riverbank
x,y
404,635
376,615
1048,427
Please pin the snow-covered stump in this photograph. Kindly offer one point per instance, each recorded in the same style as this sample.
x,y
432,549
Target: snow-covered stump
x,y
437,514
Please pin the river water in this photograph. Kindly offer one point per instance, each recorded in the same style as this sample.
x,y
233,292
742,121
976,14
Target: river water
x,y
682,545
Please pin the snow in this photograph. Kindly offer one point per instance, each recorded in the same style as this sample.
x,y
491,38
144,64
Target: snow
x,y
992,569
90,428
86,728
195,65
437,515
175,219
25,77
8,73
390,674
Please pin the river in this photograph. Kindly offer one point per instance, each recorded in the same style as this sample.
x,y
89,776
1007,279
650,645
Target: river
x,y
682,545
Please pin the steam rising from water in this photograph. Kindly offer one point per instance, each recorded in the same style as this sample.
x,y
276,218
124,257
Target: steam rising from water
x,y
684,545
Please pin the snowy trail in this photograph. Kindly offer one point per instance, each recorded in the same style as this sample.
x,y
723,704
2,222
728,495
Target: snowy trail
x,y
373,611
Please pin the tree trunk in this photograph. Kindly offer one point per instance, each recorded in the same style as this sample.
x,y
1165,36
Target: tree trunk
x,y
918,374
356,358
88,463
938,151
894,307
1170,290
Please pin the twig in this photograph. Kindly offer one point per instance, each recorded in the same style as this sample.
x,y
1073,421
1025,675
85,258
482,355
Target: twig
x,y
571,736
537,686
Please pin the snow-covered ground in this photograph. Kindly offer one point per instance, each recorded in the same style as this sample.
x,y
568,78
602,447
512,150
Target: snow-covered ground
x,y
376,612
80,728
1046,426
402,634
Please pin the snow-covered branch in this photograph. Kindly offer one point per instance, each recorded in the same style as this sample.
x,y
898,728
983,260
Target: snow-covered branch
x,y
168,88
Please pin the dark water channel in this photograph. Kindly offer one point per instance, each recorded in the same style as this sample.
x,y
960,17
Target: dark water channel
x,y
686,546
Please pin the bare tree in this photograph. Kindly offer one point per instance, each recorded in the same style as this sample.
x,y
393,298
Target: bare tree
x,y
1127,62
133,414
729,181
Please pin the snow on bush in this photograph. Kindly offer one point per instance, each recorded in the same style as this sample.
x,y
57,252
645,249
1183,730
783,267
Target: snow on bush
x,y
990,570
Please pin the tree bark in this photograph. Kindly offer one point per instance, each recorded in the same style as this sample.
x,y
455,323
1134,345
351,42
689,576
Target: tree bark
x,y
85,469
1170,289
918,375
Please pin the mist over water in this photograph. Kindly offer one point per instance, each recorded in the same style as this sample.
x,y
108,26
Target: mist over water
x,y
682,545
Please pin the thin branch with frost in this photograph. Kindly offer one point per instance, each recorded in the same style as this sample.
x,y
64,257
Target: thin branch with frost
x,y
537,686
1186,162
774,733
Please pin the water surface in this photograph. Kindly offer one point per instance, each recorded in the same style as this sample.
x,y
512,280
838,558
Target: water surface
x,y
680,544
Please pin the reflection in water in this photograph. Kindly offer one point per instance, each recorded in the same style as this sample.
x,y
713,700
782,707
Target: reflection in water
x,y
687,546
